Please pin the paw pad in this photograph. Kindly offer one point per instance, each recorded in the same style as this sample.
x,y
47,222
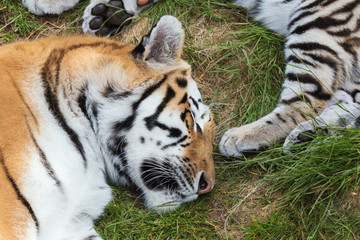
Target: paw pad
x,y
109,18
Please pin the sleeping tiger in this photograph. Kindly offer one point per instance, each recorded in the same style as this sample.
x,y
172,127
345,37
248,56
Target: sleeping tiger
x,y
101,17
77,112
322,75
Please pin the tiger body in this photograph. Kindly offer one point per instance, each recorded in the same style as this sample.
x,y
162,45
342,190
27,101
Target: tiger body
x,y
78,111
322,81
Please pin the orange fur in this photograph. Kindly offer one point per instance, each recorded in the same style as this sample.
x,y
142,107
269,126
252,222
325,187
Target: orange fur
x,y
20,74
13,140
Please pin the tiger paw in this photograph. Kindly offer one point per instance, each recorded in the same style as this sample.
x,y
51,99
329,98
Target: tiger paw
x,y
106,18
306,132
242,141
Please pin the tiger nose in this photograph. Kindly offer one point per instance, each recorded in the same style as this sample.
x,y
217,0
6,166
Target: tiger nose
x,y
205,185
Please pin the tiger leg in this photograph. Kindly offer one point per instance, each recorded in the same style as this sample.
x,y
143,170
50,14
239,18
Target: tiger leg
x,y
41,7
314,72
106,17
343,110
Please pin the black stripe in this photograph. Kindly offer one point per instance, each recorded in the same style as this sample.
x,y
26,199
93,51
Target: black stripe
x,y
150,121
294,59
50,171
183,118
311,46
311,5
184,99
128,122
185,145
321,23
173,132
54,108
303,78
112,93
82,102
324,60
301,98
348,7
349,48
328,2
194,102
300,17
61,54
124,125
345,32
21,197
148,92
175,143
309,79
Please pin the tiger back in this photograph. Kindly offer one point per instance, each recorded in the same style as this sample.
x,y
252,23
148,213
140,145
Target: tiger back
x,y
78,111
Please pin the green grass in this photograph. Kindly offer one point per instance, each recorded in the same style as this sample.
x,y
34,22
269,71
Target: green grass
x,y
15,21
311,193
125,220
316,182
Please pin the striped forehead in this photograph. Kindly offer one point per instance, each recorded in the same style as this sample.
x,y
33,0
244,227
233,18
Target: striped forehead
x,y
179,94
181,91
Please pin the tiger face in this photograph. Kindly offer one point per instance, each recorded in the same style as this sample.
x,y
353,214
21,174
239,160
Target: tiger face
x,y
162,145
160,141
78,112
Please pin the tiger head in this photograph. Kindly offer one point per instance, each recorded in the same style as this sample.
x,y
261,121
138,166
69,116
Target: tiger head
x,y
155,131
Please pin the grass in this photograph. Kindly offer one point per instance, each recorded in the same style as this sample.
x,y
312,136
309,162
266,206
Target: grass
x,y
318,183
311,193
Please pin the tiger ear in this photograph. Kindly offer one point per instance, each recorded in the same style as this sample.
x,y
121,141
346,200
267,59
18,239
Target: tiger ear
x,y
163,45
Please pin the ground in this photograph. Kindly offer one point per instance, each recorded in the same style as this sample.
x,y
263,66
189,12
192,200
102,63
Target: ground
x,y
312,193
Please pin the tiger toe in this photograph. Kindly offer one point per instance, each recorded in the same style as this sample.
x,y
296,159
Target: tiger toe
x,y
106,19
239,142
305,132
227,145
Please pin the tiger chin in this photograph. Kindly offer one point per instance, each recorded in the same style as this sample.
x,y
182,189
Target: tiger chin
x,y
80,112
